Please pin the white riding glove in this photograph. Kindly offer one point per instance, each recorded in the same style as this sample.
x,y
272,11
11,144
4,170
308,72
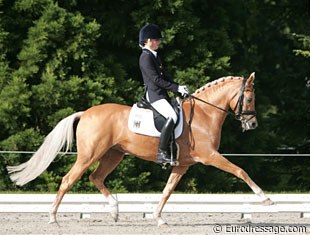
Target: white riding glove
x,y
183,90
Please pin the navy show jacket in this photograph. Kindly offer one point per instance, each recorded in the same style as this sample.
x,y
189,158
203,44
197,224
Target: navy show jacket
x,y
154,78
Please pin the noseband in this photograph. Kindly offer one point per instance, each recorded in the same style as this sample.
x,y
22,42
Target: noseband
x,y
239,115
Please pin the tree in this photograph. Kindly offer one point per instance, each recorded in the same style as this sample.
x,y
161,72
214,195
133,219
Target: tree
x,y
59,57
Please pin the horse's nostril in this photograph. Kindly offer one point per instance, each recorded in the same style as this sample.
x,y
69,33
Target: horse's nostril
x,y
254,124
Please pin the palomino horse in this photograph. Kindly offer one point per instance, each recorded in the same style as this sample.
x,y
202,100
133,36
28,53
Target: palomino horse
x,y
102,135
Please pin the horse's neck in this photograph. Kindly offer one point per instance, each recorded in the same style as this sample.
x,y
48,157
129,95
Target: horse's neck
x,y
217,93
210,119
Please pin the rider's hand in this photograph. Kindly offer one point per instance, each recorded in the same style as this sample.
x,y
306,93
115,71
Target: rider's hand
x,y
183,90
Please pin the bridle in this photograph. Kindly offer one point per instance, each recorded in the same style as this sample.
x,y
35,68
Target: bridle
x,y
237,112
240,113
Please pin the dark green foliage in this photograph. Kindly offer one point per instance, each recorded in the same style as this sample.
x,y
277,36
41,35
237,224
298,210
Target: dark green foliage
x,y
59,57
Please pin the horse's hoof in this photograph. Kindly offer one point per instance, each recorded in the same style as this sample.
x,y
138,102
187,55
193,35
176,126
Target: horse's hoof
x,y
53,222
161,223
52,219
115,217
113,207
114,213
165,225
267,202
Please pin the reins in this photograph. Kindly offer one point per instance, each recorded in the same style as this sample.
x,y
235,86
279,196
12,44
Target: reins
x,y
191,97
206,102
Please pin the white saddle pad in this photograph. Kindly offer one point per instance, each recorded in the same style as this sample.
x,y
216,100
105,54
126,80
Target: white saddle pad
x,y
141,122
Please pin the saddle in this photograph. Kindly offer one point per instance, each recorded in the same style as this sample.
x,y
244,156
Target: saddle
x,y
144,119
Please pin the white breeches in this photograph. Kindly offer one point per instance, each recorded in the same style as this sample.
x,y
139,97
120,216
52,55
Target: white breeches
x,y
165,109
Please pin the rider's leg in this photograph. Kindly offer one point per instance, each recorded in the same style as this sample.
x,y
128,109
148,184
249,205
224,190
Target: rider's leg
x,y
165,109
164,153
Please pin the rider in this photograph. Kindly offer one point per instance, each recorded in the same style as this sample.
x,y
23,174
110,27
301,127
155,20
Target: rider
x,y
156,86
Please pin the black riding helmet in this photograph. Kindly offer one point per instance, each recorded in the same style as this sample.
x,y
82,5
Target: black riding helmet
x,y
149,31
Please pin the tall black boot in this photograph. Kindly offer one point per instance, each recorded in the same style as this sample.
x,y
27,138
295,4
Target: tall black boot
x,y
164,154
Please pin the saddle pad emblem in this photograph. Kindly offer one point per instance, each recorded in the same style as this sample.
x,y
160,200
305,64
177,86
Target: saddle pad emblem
x,y
141,121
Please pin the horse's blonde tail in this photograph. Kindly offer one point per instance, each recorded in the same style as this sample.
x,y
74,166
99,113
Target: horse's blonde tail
x,y
62,134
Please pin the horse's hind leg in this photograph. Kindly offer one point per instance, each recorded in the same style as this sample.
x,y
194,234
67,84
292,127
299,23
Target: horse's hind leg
x,y
78,169
222,163
107,164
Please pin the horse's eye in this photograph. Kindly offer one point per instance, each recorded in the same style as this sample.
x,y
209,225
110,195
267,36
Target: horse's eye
x,y
248,100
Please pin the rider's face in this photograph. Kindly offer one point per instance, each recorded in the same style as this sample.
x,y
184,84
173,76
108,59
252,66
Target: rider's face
x,y
153,43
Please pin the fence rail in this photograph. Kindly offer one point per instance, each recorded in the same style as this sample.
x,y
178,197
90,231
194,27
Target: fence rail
x,y
245,204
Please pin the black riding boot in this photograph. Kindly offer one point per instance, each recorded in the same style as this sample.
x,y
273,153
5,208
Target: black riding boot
x,y
164,154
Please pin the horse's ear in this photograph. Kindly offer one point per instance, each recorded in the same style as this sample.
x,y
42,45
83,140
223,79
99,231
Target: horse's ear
x,y
251,78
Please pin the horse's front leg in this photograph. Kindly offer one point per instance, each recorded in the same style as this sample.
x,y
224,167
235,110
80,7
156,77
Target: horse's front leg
x,y
220,162
174,178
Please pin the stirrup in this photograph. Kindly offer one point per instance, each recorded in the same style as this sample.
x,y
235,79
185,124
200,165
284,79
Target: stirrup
x,y
163,159
171,163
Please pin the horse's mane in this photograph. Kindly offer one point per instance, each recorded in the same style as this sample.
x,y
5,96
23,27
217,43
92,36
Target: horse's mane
x,y
216,82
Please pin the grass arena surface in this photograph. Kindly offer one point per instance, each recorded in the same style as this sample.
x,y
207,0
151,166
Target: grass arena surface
x,y
134,223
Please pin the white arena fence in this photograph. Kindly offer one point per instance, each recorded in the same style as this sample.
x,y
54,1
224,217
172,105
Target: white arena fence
x,y
85,204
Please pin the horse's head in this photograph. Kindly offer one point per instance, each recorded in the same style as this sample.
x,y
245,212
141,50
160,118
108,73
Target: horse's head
x,y
243,104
